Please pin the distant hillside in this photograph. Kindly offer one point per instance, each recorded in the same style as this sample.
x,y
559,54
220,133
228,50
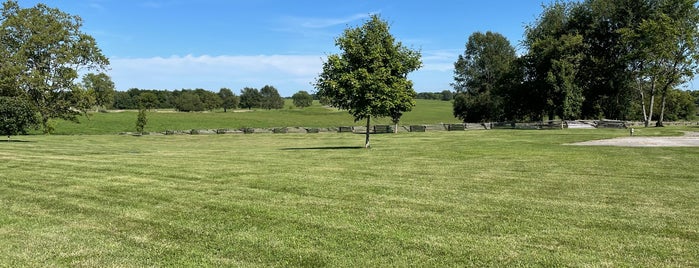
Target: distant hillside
x,y
425,112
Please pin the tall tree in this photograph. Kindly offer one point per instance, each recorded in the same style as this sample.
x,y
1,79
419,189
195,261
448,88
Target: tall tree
x,y
302,99
250,98
271,98
102,87
369,77
43,50
228,98
663,51
479,77
555,56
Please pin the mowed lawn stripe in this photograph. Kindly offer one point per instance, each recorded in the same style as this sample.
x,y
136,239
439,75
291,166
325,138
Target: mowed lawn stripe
x,y
476,198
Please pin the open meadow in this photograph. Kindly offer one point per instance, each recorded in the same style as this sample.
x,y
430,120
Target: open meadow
x,y
425,112
435,199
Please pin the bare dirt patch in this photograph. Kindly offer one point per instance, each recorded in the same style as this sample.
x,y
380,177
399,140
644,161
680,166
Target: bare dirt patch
x,y
690,139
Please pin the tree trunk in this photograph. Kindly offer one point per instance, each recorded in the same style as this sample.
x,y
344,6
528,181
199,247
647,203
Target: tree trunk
x,y
662,109
643,100
395,129
652,102
366,142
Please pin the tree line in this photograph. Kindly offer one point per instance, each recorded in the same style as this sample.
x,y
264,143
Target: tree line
x,y
585,60
193,100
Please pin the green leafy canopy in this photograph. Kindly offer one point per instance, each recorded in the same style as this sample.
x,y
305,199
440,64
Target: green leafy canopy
x,y
369,78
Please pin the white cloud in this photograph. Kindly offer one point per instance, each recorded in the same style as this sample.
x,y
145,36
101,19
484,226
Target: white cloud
x,y
439,60
289,73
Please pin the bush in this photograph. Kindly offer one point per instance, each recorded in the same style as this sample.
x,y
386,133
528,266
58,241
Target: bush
x,y
16,116
302,99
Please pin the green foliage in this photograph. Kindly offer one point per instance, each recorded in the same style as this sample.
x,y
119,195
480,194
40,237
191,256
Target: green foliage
x,y
680,105
270,98
102,87
141,120
302,99
81,99
555,57
16,116
369,77
148,100
591,59
250,98
188,101
42,50
229,99
209,100
480,77
445,95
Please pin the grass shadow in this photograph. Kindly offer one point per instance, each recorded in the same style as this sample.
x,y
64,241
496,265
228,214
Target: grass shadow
x,y
324,148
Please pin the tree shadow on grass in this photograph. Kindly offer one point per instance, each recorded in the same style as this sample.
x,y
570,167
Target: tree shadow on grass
x,y
6,141
324,148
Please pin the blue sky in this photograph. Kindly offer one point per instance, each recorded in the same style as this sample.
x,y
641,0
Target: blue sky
x,y
210,44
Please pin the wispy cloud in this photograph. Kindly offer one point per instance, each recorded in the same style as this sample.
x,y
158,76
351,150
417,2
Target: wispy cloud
x,y
289,73
439,60
328,22
316,27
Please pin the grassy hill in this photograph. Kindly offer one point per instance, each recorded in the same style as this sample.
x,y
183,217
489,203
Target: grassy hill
x,y
425,112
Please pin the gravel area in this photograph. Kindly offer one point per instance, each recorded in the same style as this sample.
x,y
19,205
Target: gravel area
x,y
690,139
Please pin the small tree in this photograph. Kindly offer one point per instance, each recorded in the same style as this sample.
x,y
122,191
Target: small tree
x,y
250,98
271,98
302,99
16,116
102,87
370,77
188,101
141,120
228,98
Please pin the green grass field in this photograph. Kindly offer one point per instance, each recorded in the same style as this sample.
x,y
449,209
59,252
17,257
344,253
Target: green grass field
x,y
437,199
425,112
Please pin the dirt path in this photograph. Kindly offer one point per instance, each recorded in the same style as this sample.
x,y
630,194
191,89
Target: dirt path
x,y
690,139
